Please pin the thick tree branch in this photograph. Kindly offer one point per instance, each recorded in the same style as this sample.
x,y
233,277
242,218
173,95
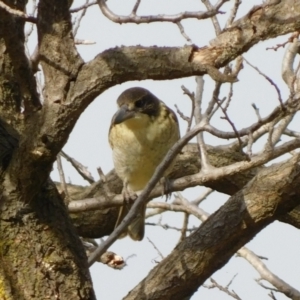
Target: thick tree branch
x,y
118,65
97,223
262,200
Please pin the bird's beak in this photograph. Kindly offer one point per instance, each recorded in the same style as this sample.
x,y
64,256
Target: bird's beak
x,y
123,114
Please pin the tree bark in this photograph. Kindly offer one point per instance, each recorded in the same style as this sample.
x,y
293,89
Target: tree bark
x,y
41,254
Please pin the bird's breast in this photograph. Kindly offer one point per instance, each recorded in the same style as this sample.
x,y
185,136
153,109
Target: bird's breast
x,y
138,150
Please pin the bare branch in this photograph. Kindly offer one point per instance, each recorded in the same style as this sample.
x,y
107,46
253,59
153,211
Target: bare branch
x,y
289,40
183,33
77,21
167,226
231,124
84,6
181,115
62,179
202,197
223,289
213,18
81,169
184,228
266,274
233,13
278,131
133,18
268,79
136,6
292,133
288,73
17,13
154,246
192,98
256,109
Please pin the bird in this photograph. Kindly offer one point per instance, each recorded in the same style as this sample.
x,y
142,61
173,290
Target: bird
x,y
142,131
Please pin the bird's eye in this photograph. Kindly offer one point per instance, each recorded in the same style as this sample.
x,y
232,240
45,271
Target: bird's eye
x,y
140,103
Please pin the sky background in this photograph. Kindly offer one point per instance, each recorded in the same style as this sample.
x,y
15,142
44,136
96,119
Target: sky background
x,y
88,143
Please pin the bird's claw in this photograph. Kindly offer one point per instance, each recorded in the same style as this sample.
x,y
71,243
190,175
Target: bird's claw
x,y
128,196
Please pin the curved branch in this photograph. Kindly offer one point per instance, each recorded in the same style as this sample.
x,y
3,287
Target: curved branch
x,y
133,18
122,64
288,72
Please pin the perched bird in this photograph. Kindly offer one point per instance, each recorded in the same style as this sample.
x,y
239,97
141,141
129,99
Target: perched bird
x,y
141,133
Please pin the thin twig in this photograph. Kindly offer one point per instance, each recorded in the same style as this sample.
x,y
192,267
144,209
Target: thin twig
x,y
84,6
270,81
81,169
292,133
229,97
232,125
182,116
159,253
213,18
78,20
184,227
256,109
215,284
135,8
167,226
202,197
192,98
183,33
62,179
233,13
289,40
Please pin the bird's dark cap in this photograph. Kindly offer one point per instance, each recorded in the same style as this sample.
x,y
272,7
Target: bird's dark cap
x,y
133,94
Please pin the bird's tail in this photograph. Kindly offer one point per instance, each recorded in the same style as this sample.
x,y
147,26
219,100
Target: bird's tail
x,y
136,229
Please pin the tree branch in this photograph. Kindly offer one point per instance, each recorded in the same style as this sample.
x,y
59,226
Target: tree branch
x,y
261,201
133,18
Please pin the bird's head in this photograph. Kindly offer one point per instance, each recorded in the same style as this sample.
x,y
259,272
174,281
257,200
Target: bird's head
x,y
137,105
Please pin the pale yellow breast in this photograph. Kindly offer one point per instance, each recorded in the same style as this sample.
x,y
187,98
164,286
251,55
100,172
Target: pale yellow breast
x,y
139,145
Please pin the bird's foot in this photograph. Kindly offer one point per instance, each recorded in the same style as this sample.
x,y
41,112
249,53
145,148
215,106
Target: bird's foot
x,y
129,196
